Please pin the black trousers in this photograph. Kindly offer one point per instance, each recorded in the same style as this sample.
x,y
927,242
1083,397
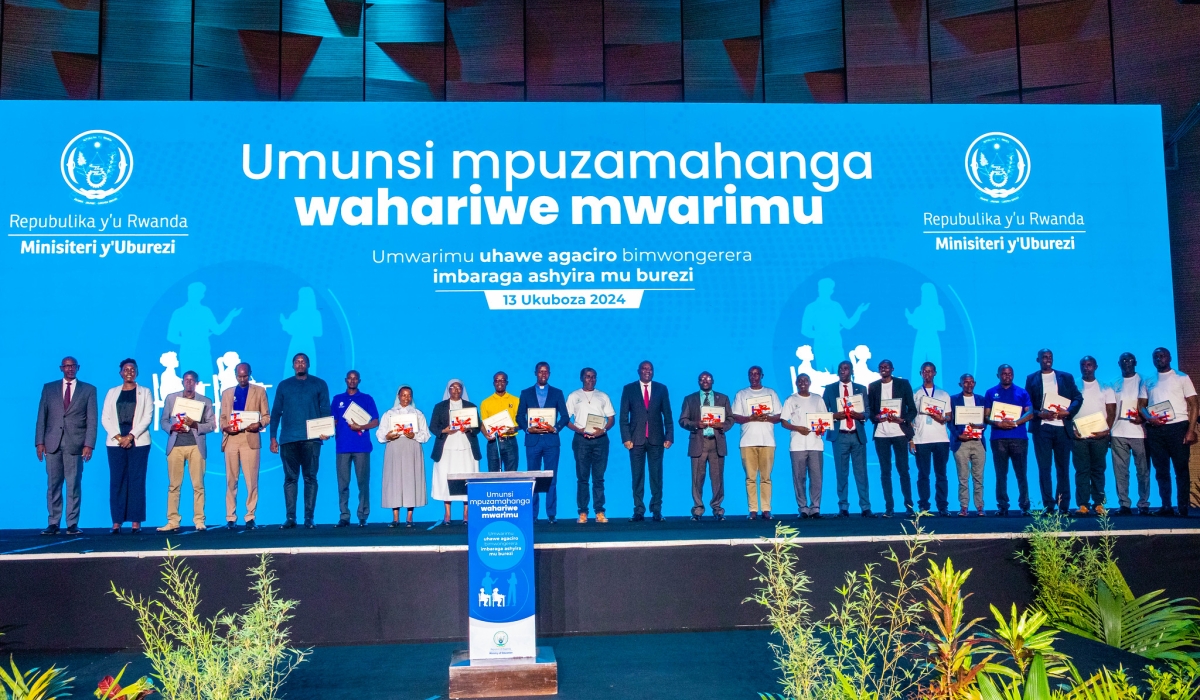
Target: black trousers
x,y
639,457
1016,451
300,458
591,461
937,453
884,449
1091,457
1053,443
1165,444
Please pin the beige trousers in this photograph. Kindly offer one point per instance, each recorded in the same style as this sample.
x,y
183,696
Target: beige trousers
x,y
238,451
757,462
189,454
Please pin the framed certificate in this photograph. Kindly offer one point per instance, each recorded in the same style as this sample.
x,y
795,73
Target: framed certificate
x,y
970,432
499,424
594,422
403,422
1091,424
891,407
819,422
1128,410
1162,410
712,415
356,414
240,420
464,418
541,417
856,403
320,426
760,405
968,415
927,405
1005,411
1054,402
189,407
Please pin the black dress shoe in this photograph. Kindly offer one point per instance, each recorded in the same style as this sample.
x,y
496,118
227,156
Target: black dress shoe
x,y
868,514
1002,513
843,514
251,526
552,521
1166,512
230,524
115,531
289,524
1049,510
1144,510
51,530
308,525
637,518
362,523
887,514
73,530
943,514
719,517
804,516
1124,510
766,515
1024,512
908,513
394,523
752,516
695,518
340,523
657,517
815,516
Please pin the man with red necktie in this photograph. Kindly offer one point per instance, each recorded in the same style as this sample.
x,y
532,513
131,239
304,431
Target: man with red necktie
x,y
65,436
849,438
646,430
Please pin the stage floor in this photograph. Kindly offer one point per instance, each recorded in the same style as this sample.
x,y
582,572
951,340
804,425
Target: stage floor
x,y
268,537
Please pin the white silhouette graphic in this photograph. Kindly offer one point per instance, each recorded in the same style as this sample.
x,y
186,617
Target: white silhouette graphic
x,y
485,600
226,377
497,598
169,382
819,378
858,359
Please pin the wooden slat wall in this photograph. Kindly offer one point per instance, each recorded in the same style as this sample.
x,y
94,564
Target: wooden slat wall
x,y
643,51
887,51
236,50
406,50
973,51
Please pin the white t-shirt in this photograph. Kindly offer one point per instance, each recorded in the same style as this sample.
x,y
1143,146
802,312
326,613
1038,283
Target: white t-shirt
x,y
580,403
1095,399
925,428
758,433
885,429
794,411
1049,386
1175,387
1127,391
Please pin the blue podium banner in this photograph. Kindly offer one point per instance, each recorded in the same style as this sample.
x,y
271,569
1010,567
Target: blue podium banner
x,y
502,590
415,242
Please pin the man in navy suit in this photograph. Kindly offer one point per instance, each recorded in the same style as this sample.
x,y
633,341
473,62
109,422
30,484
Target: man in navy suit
x,y
646,430
542,445
849,437
1053,431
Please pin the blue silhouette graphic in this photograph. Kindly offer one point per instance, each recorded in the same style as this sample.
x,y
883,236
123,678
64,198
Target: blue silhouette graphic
x,y
189,328
488,582
304,325
512,588
929,320
824,320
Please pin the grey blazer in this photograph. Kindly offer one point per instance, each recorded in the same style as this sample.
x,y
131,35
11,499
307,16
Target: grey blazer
x,y
73,430
689,420
204,427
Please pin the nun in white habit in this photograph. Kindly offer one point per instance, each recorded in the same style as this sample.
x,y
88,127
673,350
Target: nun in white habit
x,y
403,430
454,451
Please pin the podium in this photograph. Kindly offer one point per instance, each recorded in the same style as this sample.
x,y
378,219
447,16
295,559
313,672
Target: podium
x,y
503,659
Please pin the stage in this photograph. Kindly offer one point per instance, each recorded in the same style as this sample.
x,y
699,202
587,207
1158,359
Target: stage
x,y
378,585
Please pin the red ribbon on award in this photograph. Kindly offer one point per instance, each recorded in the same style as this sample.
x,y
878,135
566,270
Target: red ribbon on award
x,y
1058,408
496,431
971,432
460,424
709,418
1132,413
935,411
818,426
1155,415
235,421
889,412
179,427
759,409
1004,416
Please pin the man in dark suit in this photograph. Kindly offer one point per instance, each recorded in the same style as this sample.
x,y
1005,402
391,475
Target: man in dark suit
x,y
542,445
892,433
65,436
706,444
646,430
1053,431
849,438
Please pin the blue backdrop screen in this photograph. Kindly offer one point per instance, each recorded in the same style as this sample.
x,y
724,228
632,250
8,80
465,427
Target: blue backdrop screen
x,y
420,242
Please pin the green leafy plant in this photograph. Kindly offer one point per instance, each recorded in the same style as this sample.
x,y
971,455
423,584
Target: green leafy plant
x,y
242,656
1035,685
950,644
110,688
1062,562
32,684
1019,638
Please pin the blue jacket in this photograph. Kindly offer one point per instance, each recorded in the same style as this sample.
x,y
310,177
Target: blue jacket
x,y
832,392
955,429
555,400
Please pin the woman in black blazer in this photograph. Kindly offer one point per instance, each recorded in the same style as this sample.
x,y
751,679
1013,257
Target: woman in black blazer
x,y
455,449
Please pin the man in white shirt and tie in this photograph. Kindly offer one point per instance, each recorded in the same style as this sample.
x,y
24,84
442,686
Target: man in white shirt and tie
x,y
1170,434
1090,452
1129,436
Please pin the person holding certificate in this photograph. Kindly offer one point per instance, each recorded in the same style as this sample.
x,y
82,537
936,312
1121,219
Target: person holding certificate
x,y
646,430
1171,429
186,417
1090,450
299,399
1129,436
455,423
892,410
1056,401
403,430
1008,409
966,442
244,412
354,414
542,441
757,408
847,402
592,416
931,443
706,415
501,432
126,417
65,436
805,417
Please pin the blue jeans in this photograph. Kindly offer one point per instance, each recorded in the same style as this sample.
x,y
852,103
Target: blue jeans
x,y
846,449
503,455
543,455
939,454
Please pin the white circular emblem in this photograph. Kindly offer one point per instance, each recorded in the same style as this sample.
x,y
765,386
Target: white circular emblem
x,y
96,164
998,165
500,638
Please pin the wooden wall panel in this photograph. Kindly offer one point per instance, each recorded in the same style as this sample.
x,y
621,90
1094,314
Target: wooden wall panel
x,y
722,51
236,50
406,50
1066,51
643,51
803,51
322,51
51,50
146,51
973,51
887,51
485,50
564,50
